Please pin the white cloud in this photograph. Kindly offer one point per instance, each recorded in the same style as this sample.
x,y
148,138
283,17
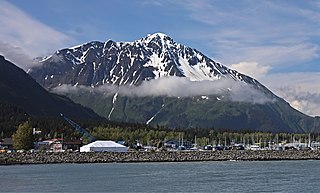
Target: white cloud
x,y
301,90
271,34
152,2
288,55
178,87
16,55
29,36
266,32
251,68
303,101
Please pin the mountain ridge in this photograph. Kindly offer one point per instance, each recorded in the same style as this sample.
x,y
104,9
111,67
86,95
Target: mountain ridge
x,y
19,89
95,64
151,57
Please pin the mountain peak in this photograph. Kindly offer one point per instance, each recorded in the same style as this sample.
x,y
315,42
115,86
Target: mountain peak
x,y
154,56
158,34
159,38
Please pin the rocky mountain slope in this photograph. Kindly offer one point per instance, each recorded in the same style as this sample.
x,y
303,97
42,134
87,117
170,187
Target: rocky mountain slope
x,y
124,81
19,89
98,63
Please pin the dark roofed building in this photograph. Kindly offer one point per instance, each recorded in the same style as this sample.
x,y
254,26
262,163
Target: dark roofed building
x,y
6,143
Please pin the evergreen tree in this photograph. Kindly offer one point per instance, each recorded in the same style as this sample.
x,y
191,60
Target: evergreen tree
x,y
23,138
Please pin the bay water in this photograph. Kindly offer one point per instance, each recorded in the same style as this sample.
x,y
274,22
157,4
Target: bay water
x,y
226,176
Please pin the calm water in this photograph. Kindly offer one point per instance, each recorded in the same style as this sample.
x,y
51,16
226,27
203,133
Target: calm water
x,y
267,176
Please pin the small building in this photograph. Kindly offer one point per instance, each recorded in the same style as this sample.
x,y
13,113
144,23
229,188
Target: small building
x,y
104,146
58,145
72,144
174,144
54,145
6,143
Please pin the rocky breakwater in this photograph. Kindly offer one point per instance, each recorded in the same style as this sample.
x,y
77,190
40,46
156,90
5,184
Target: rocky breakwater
x,y
180,156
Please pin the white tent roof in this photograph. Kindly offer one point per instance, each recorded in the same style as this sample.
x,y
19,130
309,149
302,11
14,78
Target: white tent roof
x,y
103,146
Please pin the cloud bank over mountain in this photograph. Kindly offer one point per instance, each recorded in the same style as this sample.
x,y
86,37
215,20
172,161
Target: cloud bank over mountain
x,y
177,87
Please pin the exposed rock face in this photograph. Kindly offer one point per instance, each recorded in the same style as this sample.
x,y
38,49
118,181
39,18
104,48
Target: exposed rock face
x,y
154,56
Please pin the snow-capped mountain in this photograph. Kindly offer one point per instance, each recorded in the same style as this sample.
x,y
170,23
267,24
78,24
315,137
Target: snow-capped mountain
x,y
154,56
130,64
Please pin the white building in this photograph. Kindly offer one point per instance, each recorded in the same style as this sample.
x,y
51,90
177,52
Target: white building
x,y
103,146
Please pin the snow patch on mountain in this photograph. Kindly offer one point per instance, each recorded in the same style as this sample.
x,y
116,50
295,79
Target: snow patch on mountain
x,y
148,122
152,57
198,72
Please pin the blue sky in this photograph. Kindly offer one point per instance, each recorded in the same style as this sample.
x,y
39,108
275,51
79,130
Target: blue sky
x,y
276,42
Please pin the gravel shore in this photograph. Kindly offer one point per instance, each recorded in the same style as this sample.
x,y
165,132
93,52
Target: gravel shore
x,y
108,157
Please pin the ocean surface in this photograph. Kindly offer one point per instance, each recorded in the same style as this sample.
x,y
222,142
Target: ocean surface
x,y
227,176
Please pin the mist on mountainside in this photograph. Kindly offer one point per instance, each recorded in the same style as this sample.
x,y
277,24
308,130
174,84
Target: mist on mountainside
x,y
177,87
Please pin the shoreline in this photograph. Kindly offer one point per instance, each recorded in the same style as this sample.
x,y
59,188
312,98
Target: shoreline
x,y
135,157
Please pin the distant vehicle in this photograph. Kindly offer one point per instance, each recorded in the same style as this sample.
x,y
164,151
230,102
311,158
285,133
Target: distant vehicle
x,y
238,147
218,147
254,147
181,147
208,147
138,145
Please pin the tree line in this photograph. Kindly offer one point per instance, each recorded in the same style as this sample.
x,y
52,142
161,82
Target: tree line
x,y
23,137
11,118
